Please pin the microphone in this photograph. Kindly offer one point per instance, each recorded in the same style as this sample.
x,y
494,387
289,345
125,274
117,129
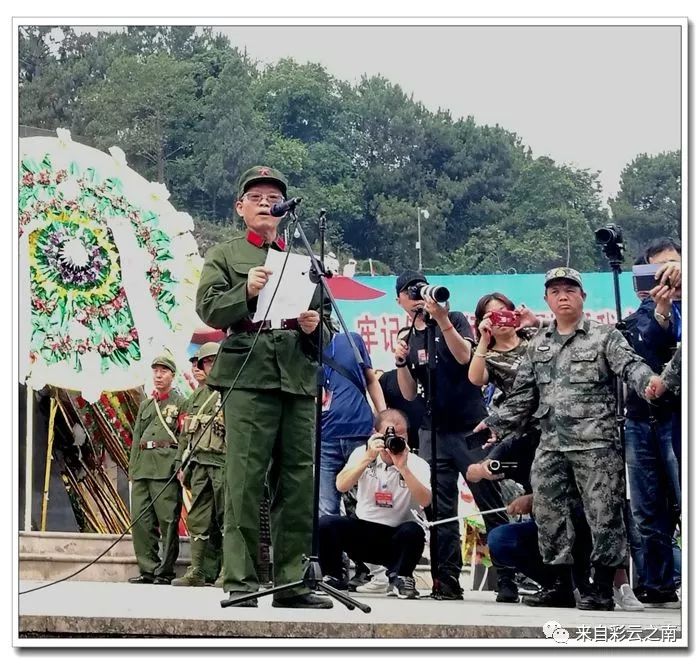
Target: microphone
x,y
280,209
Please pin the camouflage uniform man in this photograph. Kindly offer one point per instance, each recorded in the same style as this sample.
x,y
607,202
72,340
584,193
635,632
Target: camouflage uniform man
x,y
151,465
204,473
670,378
269,414
566,383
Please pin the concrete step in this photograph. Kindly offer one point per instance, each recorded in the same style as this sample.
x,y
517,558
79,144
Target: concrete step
x,y
47,556
50,556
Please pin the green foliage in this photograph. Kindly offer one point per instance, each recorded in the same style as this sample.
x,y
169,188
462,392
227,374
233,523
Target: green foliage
x,y
648,204
192,110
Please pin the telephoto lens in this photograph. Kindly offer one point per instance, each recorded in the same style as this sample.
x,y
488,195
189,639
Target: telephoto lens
x,y
395,444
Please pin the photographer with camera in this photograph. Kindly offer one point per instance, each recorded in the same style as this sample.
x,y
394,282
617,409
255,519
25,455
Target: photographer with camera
x,y
503,333
566,382
652,430
457,406
391,481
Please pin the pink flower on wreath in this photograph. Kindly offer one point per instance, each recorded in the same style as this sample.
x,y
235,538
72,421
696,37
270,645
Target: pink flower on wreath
x,y
105,347
61,175
134,333
44,177
39,304
28,179
156,289
106,310
83,346
122,341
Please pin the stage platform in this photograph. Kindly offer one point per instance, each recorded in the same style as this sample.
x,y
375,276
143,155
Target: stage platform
x,y
86,609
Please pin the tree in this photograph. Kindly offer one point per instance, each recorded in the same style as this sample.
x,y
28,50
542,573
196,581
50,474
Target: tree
x,y
146,105
648,204
551,213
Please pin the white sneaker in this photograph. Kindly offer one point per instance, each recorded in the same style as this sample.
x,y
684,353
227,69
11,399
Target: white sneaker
x,y
374,587
626,599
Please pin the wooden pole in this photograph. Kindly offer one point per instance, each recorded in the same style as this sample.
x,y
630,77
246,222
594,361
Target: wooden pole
x,y
49,459
28,450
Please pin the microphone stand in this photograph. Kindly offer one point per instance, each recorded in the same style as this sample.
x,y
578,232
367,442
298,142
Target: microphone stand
x,y
431,387
313,576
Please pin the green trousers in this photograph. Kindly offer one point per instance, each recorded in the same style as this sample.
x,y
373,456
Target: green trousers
x,y
205,520
267,429
159,522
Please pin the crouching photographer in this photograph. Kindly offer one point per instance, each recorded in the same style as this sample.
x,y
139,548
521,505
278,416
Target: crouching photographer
x,y
391,481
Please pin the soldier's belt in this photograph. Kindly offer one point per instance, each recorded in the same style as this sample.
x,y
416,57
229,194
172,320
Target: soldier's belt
x,y
153,444
248,325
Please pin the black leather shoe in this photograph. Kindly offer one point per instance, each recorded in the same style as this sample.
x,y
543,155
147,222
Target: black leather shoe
x,y
141,578
162,581
507,591
250,603
594,600
307,601
447,590
555,597
335,582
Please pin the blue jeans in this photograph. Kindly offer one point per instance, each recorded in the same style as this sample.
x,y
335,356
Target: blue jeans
x,y
334,456
515,545
655,497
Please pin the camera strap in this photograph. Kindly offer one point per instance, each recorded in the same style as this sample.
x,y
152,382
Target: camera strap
x,y
330,362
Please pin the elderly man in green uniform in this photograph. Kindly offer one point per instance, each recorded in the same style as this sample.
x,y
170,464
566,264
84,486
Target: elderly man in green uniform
x,y
202,451
155,502
269,414
565,382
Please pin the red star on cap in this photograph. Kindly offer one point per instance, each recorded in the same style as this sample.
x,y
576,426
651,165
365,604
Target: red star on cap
x,y
264,171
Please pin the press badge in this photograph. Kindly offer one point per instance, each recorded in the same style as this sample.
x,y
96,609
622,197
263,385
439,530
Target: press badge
x,y
326,398
422,356
383,499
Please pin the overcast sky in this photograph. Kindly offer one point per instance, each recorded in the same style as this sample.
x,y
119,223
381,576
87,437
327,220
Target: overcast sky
x,y
592,96
595,96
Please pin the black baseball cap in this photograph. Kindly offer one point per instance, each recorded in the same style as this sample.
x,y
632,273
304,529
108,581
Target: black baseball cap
x,y
408,277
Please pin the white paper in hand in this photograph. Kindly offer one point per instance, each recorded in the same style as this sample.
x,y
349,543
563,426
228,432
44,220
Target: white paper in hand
x,y
295,292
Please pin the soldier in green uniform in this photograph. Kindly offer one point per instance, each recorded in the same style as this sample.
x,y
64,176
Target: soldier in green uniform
x,y
565,382
269,414
204,453
151,464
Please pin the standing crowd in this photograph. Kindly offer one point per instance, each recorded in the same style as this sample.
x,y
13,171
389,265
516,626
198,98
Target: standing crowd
x,y
393,447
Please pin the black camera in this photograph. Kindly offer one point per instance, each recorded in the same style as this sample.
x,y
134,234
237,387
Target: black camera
x,y
496,466
609,237
395,444
421,290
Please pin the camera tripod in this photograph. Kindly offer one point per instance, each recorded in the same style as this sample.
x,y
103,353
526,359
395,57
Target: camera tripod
x,y
312,578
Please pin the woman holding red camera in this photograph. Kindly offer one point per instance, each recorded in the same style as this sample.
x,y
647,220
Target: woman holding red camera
x,y
503,333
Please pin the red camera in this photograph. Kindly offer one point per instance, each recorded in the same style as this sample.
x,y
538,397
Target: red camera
x,y
505,318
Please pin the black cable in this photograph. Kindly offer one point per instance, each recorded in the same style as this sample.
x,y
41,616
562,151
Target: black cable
x,y
182,465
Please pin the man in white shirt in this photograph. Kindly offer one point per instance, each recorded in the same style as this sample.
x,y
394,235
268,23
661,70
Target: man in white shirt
x,y
389,485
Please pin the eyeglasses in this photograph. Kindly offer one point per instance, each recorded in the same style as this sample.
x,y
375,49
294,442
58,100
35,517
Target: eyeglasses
x,y
255,197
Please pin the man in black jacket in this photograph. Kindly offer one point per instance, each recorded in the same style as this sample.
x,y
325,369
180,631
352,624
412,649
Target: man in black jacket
x,y
457,406
652,431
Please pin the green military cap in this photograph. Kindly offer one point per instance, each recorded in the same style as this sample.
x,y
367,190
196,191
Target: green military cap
x,y
563,273
164,361
207,350
261,174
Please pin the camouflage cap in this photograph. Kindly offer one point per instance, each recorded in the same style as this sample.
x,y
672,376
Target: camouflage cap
x,y
207,350
563,273
164,361
261,174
